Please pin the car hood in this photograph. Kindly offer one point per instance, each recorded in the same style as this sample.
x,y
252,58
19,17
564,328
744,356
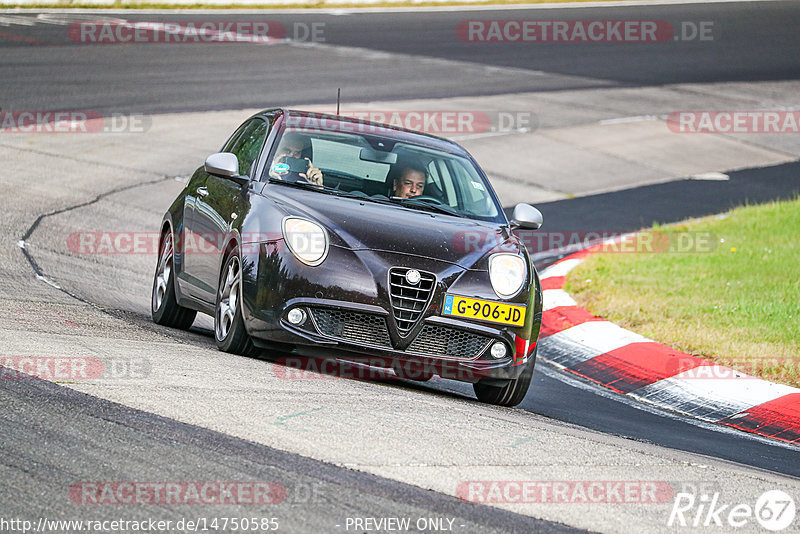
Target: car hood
x,y
364,225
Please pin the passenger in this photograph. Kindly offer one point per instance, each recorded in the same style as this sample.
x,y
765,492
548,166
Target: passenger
x,y
410,180
294,146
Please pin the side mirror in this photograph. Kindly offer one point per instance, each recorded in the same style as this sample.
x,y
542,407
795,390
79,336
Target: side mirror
x,y
222,164
527,217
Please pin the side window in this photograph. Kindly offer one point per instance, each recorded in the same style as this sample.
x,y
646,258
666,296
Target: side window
x,y
475,197
247,145
442,182
232,140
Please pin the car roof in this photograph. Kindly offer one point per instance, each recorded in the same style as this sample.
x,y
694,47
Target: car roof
x,y
387,130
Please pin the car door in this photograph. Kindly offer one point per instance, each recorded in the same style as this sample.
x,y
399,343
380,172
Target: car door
x,y
219,202
189,244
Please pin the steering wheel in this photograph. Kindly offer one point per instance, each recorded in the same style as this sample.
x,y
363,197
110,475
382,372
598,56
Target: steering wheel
x,y
431,199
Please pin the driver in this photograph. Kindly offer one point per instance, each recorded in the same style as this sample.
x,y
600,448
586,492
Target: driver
x,y
292,146
410,181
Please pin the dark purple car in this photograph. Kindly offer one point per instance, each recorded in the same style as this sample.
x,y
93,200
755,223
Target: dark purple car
x,y
319,235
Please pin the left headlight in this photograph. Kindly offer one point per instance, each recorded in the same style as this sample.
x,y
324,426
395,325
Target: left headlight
x,y
507,273
307,240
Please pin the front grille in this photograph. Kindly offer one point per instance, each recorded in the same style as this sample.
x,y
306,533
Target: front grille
x,y
444,341
362,328
409,301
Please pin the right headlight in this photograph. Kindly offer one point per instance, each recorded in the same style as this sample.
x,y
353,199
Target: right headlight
x,y
507,273
307,240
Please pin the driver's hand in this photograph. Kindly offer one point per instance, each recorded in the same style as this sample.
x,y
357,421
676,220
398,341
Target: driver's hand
x,y
313,174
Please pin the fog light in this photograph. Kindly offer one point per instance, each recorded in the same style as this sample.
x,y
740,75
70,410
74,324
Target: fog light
x,y
297,316
498,350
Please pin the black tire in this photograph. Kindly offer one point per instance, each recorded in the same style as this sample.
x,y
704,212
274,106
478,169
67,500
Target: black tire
x,y
164,307
509,395
229,330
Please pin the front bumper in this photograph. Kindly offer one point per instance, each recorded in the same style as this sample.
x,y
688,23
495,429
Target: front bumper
x,y
353,320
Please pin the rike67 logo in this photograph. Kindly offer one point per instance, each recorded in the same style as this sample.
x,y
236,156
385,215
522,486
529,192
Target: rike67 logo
x,y
774,510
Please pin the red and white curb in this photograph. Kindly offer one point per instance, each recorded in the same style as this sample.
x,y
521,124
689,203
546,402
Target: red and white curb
x,y
630,364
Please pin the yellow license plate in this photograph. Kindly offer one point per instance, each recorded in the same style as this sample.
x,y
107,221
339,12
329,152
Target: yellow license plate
x,y
484,310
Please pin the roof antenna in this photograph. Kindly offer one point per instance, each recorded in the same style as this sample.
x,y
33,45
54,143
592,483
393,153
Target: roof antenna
x,y
338,97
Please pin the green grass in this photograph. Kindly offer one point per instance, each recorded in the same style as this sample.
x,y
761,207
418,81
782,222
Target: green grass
x,y
736,301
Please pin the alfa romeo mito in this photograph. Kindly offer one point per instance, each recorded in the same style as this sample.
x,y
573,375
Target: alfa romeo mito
x,y
323,236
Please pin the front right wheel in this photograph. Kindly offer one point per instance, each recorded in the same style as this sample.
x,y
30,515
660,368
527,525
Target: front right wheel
x,y
229,329
509,394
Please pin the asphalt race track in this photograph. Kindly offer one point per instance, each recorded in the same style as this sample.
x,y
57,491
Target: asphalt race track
x,y
345,449
315,491
752,41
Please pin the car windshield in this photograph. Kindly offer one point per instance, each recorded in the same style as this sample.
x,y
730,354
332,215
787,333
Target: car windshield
x,y
379,165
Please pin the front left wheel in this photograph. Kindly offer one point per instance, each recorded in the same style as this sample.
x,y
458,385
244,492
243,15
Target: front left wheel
x,y
164,307
229,329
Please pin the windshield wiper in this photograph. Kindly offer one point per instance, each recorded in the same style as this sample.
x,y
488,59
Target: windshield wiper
x,y
427,204
298,183
302,184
